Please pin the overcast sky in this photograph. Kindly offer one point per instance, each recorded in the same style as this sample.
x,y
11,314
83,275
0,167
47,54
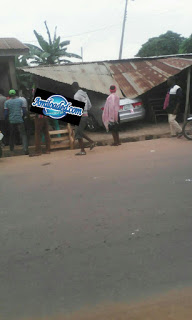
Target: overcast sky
x,y
96,25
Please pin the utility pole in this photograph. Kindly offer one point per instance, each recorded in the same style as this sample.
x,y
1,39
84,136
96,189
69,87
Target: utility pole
x,y
82,53
123,30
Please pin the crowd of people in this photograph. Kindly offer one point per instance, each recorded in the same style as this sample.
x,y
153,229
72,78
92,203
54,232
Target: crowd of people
x,y
14,108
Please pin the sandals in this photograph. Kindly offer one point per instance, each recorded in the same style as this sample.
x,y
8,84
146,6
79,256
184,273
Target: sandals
x,y
114,144
93,145
179,135
81,153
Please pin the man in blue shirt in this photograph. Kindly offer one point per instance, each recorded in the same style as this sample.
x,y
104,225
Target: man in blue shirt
x,y
15,111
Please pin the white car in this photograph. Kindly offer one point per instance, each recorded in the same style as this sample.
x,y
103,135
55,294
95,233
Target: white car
x,y
131,110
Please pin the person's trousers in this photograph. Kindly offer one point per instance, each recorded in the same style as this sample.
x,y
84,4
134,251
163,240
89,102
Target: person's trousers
x,y
41,126
56,126
13,130
174,126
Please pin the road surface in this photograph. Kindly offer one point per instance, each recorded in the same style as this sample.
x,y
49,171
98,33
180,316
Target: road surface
x,y
111,227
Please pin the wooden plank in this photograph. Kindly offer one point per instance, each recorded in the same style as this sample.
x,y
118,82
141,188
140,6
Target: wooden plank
x,y
66,141
60,146
12,72
59,139
54,132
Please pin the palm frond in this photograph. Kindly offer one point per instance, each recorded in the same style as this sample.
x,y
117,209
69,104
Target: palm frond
x,y
70,55
48,32
56,43
33,47
64,43
42,42
55,34
61,61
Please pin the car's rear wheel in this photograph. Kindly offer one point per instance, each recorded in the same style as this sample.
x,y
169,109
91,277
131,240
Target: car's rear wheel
x,y
187,130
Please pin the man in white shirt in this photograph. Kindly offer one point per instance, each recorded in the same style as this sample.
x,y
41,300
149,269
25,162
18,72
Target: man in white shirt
x,y
25,104
82,96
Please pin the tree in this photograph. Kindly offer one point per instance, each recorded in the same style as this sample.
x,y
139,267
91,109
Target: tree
x,y
166,44
24,80
50,52
186,46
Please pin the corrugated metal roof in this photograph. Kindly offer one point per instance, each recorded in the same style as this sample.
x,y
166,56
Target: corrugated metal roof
x,y
12,45
137,77
134,77
91,76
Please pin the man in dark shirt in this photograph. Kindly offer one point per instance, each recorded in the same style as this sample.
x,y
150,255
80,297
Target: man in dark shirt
x,y
173,104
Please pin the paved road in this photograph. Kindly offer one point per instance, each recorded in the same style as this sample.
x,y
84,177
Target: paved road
x,y
114,226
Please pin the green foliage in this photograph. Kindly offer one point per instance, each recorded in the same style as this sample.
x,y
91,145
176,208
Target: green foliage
x,y
186,46
166,44
24,80
49,52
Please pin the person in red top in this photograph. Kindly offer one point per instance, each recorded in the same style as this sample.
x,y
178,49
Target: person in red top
x,y
110,115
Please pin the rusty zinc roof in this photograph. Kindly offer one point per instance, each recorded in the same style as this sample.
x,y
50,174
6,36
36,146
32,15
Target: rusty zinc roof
x,y
139,76
133,76
12,46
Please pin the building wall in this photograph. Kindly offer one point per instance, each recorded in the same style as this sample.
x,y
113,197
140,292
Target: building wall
x,y
4,76
7,74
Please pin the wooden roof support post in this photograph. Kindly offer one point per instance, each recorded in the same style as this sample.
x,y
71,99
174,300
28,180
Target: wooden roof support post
x,y
12,73
187,94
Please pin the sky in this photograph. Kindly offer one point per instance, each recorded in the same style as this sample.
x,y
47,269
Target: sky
x,y
96,26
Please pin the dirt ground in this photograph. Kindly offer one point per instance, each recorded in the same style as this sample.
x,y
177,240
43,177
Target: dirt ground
x,y
175,305
40,251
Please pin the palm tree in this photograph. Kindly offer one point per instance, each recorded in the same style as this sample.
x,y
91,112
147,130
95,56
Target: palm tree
x,y
52,51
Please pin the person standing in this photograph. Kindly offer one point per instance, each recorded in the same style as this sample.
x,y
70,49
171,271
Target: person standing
x,y
110,115
41,127
3,122
15,112
171,105
24,100
82,96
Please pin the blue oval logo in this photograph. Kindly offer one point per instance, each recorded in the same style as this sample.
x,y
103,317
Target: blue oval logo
x,y
59,105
